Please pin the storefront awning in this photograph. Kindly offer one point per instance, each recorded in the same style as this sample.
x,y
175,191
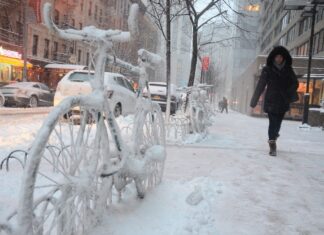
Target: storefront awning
x,y
14,62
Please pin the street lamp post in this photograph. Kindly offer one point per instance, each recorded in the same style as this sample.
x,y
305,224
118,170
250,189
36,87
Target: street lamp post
x,y
309,67
300,5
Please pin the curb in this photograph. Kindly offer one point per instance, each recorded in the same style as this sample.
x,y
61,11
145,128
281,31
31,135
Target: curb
x,y
21,111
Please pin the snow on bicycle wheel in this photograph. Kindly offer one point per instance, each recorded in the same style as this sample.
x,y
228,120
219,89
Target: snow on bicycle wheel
x,y
149,145
68,195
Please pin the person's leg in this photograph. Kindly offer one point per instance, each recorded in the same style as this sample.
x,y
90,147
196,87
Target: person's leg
x,y
280,117
272,126
272,133
226,109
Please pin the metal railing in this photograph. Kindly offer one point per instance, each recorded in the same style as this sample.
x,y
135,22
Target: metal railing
x,y
10,37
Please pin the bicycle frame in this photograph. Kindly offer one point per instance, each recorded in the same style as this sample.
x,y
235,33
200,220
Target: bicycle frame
x,y
97,105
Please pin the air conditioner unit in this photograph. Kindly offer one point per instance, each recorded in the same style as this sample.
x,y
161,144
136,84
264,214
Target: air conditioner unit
x,y
295,4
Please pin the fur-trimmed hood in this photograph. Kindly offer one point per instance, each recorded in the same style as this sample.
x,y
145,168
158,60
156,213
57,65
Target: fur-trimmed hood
x,y
279,50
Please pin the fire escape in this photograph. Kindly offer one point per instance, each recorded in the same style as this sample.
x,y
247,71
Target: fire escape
x,y
10,30
67,55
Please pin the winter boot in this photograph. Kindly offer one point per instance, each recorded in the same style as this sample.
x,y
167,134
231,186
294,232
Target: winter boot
x,y
273,148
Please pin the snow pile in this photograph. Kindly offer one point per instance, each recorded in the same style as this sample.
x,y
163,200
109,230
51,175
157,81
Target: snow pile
x,y
195,138
305,127
165,210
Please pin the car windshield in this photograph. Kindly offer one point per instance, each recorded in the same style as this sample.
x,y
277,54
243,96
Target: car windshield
x,y
81,77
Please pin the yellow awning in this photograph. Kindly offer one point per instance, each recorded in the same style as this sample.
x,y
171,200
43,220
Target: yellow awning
x,y
14,62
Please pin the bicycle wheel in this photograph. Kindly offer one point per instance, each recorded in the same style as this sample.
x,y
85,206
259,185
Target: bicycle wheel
x,y
200,121
62,191
149,144
197,120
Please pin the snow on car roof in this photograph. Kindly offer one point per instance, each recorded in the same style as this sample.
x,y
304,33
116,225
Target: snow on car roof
x,y
91,71
21,84
65,66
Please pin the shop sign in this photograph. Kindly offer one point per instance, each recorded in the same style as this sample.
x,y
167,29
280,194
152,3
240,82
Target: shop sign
x,y
9,53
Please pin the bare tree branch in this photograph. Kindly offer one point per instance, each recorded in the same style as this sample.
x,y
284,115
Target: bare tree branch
x,y
216,42
211,18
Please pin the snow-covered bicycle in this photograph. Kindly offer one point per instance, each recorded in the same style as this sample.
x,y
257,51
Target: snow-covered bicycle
x,y
65,190
199,110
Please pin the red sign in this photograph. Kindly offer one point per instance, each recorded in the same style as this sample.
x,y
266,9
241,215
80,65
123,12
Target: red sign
x,y
36,5
205,63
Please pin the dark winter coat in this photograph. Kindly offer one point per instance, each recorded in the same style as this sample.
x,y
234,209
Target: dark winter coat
x,y
281,84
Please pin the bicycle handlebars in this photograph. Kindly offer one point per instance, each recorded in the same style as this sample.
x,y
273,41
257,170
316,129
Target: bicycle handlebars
x,y
92,33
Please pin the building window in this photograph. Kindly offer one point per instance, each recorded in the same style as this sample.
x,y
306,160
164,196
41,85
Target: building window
x,y
63,48
304,25
19,27
320,14
46,48
90,9
100,16
80,25
291,34
302,50
55,49
87,60
283,40
321,41
35,45
96,12
285,20
79,56
56,17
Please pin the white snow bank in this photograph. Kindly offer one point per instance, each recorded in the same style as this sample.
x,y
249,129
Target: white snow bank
x,y
165,210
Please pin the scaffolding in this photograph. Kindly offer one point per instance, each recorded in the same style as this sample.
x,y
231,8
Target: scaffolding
x,y
68,54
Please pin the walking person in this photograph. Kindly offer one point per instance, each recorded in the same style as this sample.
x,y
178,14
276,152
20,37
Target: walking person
x,y
220,105
224,105
281,82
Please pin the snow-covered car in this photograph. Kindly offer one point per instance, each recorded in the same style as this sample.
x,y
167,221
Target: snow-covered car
x,y
28,94
77,82
158,92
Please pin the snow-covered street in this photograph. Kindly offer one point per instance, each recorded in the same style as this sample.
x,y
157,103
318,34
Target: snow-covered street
x,y
224,184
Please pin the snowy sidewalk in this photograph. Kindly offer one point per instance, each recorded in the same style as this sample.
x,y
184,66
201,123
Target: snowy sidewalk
x,y
237,188
226,184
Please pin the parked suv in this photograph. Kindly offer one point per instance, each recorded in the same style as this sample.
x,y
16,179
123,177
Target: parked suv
x,y
158,94
77,82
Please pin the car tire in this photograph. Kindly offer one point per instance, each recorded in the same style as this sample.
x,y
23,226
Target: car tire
x,y
118,110
2,100
33,102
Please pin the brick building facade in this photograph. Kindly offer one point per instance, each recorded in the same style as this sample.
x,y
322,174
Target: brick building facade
x,y
44,47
